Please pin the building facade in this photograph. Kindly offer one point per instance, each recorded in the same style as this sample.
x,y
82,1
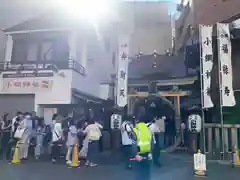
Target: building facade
x,y
195,12
51,61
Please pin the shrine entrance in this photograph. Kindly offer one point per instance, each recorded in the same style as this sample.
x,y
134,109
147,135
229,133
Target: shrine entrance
x,y
166,103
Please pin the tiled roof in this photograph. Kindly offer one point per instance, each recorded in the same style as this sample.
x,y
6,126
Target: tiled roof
x,y
167,67
46,21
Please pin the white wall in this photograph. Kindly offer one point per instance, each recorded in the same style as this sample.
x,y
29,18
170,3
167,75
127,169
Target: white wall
x,y
149,25
149,38
91,54
104,91
59,94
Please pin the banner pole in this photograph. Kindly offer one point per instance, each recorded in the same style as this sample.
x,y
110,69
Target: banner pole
x,y
202,93
220,92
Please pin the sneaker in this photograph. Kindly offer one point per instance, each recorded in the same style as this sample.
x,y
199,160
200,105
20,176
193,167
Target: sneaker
x,y
129,166
68,162
92,165
53,160
87,163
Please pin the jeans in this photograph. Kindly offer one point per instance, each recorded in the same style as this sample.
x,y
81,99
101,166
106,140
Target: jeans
x,y
143,168
93,149
127,152
39,145
11,144
4,144
56,150
156,149
69,153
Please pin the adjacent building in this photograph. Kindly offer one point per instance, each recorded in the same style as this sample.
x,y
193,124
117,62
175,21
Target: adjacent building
x,y
52,61
195,12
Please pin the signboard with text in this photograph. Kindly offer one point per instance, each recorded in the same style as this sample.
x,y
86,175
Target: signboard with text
x,y
27,75
26,85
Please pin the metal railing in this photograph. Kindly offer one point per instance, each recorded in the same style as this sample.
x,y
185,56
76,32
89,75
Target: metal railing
x,y
42,65
215,143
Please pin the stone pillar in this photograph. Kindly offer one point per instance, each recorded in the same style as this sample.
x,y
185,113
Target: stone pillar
x,y
72,40
177,119
9,48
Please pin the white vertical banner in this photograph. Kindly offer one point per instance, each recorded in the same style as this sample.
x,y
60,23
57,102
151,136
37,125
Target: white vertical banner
x,y
122,71
225,65
206,61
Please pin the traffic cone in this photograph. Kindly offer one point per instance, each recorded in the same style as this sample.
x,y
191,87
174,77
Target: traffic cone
x,y
75,161
16,154
236,159
199,164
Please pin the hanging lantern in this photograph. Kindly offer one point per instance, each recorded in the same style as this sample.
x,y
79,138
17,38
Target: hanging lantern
x,y
139,55
155,59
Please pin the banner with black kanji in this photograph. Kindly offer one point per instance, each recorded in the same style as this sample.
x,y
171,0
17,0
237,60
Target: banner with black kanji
x,y
122,72
225,65
205,38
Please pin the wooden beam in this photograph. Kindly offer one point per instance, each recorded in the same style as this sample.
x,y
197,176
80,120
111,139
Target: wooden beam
x,y
164,93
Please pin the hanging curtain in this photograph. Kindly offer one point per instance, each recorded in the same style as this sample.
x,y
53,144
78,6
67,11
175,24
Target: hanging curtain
x,y
206,61
225,65
122,75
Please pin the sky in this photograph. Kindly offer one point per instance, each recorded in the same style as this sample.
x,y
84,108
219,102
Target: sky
x,y
13,12
172,4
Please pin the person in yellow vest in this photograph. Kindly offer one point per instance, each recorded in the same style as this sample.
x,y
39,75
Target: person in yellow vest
x,y
143,148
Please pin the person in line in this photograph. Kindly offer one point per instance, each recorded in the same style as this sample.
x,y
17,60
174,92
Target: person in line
x,y
6,135
142,148
26,124
54,117
13,140
93,134
65,125
40,132
57,140
72,139
19,115
156,138
127,142
47,139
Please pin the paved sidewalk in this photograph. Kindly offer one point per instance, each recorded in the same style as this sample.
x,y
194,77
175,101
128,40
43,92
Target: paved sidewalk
x,y
112,170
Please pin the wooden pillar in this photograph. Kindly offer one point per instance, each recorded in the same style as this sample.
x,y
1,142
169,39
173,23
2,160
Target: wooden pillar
x,y
177,113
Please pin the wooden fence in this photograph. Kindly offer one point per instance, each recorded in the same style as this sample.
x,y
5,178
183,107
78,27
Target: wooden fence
x,y
221,140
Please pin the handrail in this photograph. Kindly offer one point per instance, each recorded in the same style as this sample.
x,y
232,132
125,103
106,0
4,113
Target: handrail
x,y
215,125
42,65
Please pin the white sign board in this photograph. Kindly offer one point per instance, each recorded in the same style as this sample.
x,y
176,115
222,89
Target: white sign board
x,y
116,121
194,123
26,85
206,60
122,72
225,65
199,162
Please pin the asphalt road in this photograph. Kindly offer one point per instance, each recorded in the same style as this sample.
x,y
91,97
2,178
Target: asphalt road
x,y
173,168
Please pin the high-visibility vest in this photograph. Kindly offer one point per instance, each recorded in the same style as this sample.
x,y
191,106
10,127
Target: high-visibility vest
x,y
143,137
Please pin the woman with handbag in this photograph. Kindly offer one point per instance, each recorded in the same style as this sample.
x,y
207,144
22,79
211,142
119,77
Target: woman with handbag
x,y
93,134
6,134
57,140
72,139
26,127
14,136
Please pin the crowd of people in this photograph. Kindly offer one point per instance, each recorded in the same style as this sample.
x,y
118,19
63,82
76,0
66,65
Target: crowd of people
x,y
54,140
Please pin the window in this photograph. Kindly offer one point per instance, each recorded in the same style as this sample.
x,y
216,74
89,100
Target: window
x,y
40,50
32,52
107,44
19,51
114,59
46,51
